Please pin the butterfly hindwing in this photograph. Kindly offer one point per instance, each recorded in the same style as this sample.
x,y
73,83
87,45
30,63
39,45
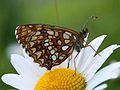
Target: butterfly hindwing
x,y
47,45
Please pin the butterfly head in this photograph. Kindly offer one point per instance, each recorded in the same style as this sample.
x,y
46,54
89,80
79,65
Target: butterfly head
x,y
84,32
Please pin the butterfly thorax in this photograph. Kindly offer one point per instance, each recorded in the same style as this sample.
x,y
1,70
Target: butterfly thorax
x,y
80,40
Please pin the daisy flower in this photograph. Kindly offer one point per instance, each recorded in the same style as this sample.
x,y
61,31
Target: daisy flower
x,y
87,76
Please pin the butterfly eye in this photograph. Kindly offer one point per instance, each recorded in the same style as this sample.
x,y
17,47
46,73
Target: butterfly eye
x,y
84,32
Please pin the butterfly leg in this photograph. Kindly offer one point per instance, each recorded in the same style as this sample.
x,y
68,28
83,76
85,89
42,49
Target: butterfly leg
x,y
75,63
69,61
92,48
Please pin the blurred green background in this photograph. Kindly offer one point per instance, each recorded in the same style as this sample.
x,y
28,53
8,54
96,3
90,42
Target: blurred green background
x,y
72,14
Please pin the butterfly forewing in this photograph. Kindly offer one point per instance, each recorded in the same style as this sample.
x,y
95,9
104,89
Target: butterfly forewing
x,y
47,45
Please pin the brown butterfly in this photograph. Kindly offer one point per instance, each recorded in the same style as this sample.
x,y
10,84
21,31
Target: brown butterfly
x,y
49,45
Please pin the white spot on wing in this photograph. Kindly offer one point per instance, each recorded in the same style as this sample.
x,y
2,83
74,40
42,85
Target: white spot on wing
x,y
30,26
33,49
51,43
46,44
46,40
38,54
37,33
68,33
50,47
74,37
61,57
59,42
52,51
17,27
50,32
31,44
66,36
18,41
67,41
54,57
34,38
50,37
42,60
64,48
56,34
17,36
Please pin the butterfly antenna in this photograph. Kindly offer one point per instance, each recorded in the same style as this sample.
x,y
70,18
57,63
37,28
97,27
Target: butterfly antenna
x,y
91,18
57,12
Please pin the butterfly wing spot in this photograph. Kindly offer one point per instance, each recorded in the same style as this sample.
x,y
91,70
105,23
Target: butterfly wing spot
x,y
42,60
64,48
54,57
55,49
39,28
66,36
47,40
34,38
67,41
24,33
16,29
33,50
56,34
59,42
68,33
16,36
46,44
38,33
30,26
56,54
40,37
50,47
43,51
74,37
62,56
31,44
71,50
50,37
18,41
23,27
29,31
50,32
50,43
52,51
38,53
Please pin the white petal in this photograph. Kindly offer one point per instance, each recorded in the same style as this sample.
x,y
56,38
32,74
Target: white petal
x,y
13,80
98,61
109,69
19,82
79,58
89,52
25,67
94,82
103,75
101,87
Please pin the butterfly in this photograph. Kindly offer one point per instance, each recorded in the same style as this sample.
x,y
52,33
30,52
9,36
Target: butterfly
x,y
49,45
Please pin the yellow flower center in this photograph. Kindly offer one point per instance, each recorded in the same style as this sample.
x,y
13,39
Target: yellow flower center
x,y
61,79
